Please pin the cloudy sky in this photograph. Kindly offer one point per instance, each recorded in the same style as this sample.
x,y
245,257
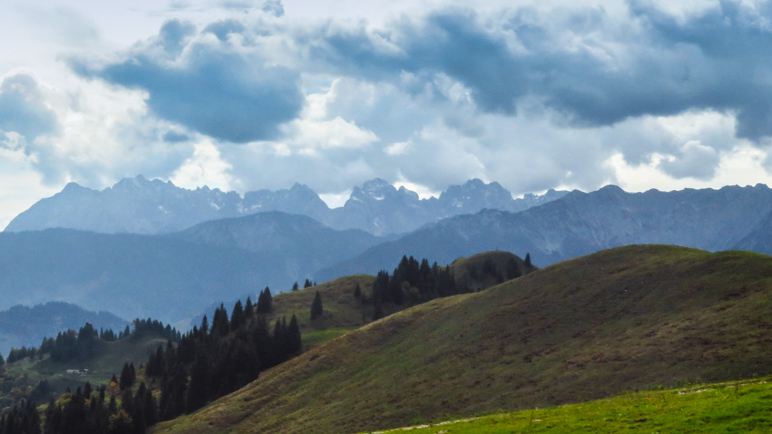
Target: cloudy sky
x,y
243,95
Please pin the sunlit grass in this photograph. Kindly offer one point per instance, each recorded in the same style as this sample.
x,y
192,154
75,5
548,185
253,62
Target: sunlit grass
x,y
742,406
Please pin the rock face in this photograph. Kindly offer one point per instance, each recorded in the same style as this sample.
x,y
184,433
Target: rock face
x,y
137,205
583,223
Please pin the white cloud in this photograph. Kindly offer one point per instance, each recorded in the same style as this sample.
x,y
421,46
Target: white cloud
x,y
204,167
533,94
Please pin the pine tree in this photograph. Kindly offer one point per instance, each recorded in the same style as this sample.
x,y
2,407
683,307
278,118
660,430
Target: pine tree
x,y
204,326
294,344
198,389
357,291
308,284
237,316
316,307
265,302
220,324
528,260
248,308
295,286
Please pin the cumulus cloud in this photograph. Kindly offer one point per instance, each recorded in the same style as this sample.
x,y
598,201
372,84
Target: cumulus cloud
x,y
530,97
580,62
208,86
23,109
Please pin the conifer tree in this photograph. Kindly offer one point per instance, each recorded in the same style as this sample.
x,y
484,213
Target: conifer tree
x,y
265,302
316,307
528,260
220,325
357,291
308,284
237,316
295,286
293,336
204,326
248,308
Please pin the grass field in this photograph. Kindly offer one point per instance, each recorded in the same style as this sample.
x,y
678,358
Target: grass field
x,y
742,406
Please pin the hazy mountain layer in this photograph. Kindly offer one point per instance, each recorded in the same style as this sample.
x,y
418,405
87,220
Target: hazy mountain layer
x,y
22,326
581,223
170,277
136,205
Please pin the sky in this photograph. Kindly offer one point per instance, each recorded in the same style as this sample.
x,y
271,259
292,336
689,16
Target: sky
x,y
245,95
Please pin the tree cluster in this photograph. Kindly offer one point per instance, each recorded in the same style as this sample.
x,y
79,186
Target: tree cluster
x,y
90,411
429,281
22,419
210,362
265,301
143,327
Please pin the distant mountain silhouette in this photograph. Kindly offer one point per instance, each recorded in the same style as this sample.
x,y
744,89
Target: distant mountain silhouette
x,y
137,205
22,326
582,223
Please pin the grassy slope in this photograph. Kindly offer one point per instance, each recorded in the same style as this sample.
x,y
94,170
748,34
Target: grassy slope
x,y
342,311
622,319
465,278
726,407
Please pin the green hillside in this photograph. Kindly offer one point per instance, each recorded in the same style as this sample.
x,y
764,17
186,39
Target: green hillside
x,y
342,311
623,319
741,406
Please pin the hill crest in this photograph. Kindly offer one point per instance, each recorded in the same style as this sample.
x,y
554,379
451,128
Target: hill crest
x,y
621,319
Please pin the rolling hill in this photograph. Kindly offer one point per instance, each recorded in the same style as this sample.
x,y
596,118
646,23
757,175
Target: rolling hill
x,y
623,319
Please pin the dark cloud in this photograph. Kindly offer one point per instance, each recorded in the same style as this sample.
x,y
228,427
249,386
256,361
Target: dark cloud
x,y
208,88
22,109
593,69
695,161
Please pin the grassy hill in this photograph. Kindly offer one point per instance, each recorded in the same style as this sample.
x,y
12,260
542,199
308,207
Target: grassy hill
x,y
623,319
342,311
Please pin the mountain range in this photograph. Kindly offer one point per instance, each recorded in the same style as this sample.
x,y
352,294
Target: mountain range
x,y
137,205
135,275
582,223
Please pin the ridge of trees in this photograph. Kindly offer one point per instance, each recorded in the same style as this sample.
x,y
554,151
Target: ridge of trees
x,y
414,282
83,344
210,362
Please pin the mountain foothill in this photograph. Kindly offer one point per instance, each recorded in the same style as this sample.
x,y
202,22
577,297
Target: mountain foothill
x,y
492,303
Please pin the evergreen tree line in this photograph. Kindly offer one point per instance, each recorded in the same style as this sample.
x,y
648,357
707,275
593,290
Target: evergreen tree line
x,y
430,282
23,418
414,282
210,362
82,345
94,412
143,327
